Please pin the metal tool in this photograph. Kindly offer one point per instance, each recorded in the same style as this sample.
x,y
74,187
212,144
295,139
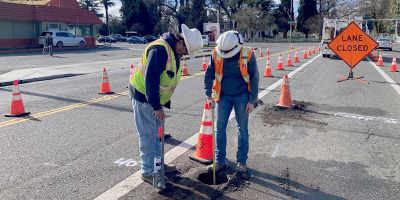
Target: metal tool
x,y
159,173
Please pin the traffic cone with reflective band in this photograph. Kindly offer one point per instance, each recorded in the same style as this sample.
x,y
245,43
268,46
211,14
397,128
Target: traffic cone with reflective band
x,y
305,53
204,66
268,53
313,49
291,46
268,72
393,67
184,68
319,47
309,51
375,56
204,150
261,53
289,60
285,99
296,57
17,106
280,64
380,61
105,85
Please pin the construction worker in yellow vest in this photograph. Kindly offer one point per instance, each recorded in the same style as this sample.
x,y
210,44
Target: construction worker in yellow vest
x,y
151,87
231,81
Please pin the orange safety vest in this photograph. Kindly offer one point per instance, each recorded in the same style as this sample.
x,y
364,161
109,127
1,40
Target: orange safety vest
x,y
245,56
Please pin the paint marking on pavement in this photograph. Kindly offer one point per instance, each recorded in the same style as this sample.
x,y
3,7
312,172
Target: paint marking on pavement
x,y
367,118
134,180
288,133
385,76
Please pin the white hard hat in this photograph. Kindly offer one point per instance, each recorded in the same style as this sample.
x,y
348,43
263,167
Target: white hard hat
x,y
229,44
193,40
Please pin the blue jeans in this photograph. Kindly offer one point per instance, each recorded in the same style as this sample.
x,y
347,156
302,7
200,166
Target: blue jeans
x,y
223,109
147,128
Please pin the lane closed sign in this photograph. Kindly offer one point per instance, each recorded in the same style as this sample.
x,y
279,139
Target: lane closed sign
x,y
352,45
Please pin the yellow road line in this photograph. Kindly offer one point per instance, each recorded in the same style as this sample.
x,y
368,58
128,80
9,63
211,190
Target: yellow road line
x,y
77,105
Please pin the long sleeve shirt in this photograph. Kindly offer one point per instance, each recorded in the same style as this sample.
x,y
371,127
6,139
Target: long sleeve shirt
x,y
232,79
156,62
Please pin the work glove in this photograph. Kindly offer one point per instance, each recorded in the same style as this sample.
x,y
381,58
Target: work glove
x,y
168,104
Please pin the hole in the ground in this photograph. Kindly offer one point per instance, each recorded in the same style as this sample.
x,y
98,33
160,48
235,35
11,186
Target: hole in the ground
x,y
207,178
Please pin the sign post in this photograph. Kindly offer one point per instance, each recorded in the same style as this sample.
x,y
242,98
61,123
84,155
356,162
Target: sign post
x,y
352,45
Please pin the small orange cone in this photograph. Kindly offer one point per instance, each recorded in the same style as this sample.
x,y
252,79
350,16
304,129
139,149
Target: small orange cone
x,y
105,85
319,47
309,51
268,72
313,49
204,66
305,53
280,64
285,99
393,67
17,106
204,150
296,57
289,60
291,46
380,61
261,53
375,56
268,51
184,68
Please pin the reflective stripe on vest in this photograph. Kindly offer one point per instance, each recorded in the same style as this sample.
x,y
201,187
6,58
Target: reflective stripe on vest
x,y
167,84
219,63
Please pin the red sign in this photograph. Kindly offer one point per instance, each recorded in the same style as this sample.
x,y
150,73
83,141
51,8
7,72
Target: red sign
x,y
352,45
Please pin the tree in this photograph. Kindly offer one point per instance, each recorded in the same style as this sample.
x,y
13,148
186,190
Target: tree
x,y
135,16
93,5
106,4
307,10
198,15
250,20
282,16
395,7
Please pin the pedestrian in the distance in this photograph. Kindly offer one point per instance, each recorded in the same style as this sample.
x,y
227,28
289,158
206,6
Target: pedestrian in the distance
x,y
151,87
49,43
231,81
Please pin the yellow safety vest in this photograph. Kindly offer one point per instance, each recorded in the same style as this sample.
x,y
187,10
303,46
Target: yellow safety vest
x,y
245,56
167,84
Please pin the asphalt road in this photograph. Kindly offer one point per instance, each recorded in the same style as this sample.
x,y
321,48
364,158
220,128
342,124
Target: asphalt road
x,y
79,144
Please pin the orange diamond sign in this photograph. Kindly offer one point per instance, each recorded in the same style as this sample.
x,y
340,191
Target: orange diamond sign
x,y
352,45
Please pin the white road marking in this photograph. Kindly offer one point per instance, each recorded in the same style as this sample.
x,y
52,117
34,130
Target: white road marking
x,y
288,133
387,78
134,180
367,118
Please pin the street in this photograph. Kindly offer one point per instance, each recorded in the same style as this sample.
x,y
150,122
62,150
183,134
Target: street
x,y
342,143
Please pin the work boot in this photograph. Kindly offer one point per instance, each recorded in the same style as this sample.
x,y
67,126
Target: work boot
x,y
170,168
218,167
241,169
149,179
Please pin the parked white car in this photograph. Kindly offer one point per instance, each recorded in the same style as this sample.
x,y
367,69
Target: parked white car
x,y
62,38
205,40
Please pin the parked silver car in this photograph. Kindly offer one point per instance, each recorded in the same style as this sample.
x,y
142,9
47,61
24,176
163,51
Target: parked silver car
x,y
385,43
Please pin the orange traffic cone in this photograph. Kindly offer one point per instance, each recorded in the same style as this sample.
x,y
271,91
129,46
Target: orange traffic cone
x,y
319,47
313,49
380,61
204,150
289,60
17,106
268,51
261,53
204,66
268,72
285,99
291,46
296,57
305,53
375,56
105,85
393,67
280,64
309,51
184,68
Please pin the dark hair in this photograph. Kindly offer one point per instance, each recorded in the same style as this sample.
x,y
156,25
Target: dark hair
x,y
178,37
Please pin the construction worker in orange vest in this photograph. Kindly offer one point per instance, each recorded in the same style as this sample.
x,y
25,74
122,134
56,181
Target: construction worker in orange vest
x,y
151,87
231,81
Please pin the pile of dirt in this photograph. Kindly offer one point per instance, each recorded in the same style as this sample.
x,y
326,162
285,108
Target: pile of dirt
x,y
297,114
